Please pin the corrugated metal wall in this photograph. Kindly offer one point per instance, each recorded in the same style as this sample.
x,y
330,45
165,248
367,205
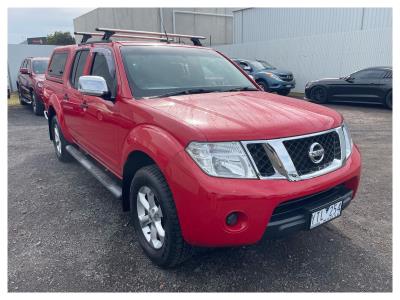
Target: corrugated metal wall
x,y
264,24
183,20
319,56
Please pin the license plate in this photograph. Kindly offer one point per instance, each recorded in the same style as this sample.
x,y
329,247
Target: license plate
x,y
326,214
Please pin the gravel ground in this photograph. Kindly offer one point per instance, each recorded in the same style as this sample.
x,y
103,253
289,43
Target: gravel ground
x,y
66,233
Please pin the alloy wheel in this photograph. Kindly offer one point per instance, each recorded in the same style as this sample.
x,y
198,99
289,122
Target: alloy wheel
x,y
150,217
57,139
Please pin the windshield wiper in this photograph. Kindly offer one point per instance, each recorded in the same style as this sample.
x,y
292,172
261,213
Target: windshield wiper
x,y
239,89
184,92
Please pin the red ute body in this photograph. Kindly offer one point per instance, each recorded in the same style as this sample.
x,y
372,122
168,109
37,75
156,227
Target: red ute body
x,y
162,128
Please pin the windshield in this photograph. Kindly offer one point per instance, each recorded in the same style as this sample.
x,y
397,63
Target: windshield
x,y
39,66
156,71
261,65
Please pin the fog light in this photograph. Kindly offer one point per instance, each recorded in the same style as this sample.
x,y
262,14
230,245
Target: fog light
x,y
232,219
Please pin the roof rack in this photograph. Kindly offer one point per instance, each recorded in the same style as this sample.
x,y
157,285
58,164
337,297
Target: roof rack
x,y
136,34
88,35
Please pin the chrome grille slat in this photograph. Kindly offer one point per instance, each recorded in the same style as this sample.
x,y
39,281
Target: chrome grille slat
x,y
286,158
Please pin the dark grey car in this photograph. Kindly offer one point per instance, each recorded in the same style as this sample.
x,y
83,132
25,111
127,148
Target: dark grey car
x,y
370,85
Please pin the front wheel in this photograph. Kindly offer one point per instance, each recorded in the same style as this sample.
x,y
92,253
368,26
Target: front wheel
x,y
21,100
59,142
283,92
319,94
155,219
388,100
263,85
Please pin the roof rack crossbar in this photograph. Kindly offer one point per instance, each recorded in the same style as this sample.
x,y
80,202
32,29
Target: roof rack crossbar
x,y
88,35
85,36
107,31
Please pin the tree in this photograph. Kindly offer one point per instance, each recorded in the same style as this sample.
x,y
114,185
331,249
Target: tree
x,y
60,38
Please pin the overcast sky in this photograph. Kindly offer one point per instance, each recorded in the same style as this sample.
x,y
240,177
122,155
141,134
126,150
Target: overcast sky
x,y
35,22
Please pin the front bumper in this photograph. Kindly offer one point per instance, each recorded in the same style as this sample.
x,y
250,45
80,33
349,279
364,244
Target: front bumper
x,y
203,202
278,85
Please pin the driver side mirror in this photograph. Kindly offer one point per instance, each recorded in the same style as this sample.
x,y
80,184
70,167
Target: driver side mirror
x,y
24,71
93,86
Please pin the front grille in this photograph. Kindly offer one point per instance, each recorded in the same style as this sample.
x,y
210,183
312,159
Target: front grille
x,y
298,150
286,77
261,159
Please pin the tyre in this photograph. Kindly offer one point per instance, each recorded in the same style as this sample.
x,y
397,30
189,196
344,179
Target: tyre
x,y
283,92
263,85
37,105
21,101
319,95
59,142
155,219
388,100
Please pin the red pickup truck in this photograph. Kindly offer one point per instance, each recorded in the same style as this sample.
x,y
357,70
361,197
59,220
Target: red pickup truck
x,y
192,146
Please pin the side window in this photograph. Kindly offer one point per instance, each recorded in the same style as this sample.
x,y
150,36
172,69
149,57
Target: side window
x,y
57,64
23,64
243,64
103,65
369,74
78,66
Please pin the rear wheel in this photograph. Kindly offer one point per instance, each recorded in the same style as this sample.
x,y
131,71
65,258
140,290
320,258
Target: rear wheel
x,y
37,105
155,219
59,142
283,92
319,94
388,100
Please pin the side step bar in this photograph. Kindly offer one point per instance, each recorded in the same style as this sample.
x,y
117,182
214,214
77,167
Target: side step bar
x,y
97,172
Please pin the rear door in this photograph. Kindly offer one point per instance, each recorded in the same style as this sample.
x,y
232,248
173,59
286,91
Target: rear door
x,y
55,75
73,100
101,115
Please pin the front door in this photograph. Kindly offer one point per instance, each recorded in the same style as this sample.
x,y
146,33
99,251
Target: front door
x,y
101,114
362,86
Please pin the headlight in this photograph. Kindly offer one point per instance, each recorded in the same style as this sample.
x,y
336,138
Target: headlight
x,y
348,140
225,159
40,84
276,77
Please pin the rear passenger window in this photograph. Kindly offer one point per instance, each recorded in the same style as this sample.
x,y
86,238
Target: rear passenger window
x,y
57,64
78,66
103,65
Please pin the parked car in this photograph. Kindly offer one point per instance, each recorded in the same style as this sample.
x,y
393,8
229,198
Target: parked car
x,y
267,76
371,85
30,83
195,150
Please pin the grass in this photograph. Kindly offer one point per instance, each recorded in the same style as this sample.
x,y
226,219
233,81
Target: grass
x,y
13,101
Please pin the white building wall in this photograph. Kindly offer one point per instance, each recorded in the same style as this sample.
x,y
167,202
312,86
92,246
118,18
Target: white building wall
x,y
17,53
263,24
318,56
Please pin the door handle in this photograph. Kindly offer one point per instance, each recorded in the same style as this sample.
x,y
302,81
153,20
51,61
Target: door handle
x,y
66,97
84,105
